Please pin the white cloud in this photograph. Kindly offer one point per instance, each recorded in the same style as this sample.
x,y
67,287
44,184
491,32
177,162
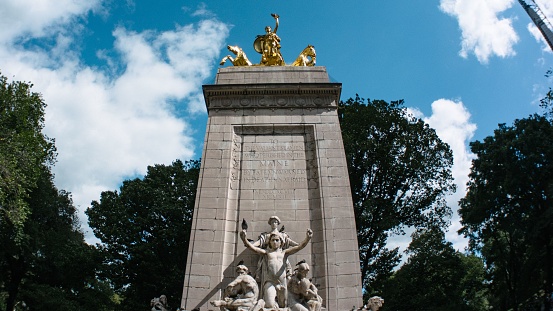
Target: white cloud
x,y
108,126
451,120
483,32
39,18
201,10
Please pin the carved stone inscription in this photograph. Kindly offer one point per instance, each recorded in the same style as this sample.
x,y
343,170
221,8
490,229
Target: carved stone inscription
x,y
273,164
274,172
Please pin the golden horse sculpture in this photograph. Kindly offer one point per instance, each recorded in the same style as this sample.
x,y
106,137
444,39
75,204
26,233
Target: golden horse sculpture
x,y
241,58
307,57
268,45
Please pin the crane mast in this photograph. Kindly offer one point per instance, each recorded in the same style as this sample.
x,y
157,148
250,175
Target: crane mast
x,y
539,19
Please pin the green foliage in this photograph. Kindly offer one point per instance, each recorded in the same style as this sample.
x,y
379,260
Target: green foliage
x,y
436,277
507,212
50,267
399,171
473,284
44,260
547,101
23,148
145,230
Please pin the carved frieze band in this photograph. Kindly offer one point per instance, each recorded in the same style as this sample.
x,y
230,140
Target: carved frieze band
x,y
271,102
225,97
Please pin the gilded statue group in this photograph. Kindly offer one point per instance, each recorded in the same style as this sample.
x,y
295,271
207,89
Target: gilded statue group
x,y
268,45
280,287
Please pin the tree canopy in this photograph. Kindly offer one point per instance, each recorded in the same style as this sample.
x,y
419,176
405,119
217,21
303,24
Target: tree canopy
x,y
24,149
44,261
399,171
145,230
507,212
50,267
436,277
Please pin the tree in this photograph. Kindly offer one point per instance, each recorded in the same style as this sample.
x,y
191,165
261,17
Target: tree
x,y
399,171
436,277
50,267
38,225
507,212
547,101
145,229
23,149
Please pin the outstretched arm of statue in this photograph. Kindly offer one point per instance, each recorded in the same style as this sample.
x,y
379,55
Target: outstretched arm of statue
x,y
276,16
292,242
249,245
257,243
297,248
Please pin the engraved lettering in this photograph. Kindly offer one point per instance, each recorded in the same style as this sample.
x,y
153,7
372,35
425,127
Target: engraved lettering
x,y
273,163
270,164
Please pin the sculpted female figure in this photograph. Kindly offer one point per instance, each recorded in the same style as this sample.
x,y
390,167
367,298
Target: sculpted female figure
x,y
273,280
263,240
269,46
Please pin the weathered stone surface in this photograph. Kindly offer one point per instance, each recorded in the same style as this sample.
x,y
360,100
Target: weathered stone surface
x,y
281,74
273,147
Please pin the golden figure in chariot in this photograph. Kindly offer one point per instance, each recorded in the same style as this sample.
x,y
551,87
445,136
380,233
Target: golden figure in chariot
x,y
268,45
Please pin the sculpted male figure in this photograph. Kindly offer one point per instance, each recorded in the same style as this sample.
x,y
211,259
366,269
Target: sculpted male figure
x,y
263,242
273,281
241,294
302,294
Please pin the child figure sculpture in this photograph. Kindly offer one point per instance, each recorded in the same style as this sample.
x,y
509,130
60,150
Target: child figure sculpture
x,y
273,278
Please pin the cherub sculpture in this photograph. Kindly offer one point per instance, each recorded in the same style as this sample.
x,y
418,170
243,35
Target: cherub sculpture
x,y
274,278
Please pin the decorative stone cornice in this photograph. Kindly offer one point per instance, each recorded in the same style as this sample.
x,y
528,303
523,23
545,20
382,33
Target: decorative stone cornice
x,y
278,95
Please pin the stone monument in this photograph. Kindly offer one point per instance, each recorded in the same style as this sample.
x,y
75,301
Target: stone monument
x,y
273,151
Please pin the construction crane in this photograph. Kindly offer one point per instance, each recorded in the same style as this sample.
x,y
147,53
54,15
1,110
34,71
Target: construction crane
x,y
539,19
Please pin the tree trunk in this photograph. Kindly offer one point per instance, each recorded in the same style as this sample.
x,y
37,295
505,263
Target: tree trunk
x,y
368,256
17,271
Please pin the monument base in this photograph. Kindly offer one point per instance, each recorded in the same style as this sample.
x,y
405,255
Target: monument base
x,y
273,147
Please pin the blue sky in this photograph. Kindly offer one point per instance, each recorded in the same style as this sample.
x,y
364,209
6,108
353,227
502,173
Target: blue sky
x,y
122,79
